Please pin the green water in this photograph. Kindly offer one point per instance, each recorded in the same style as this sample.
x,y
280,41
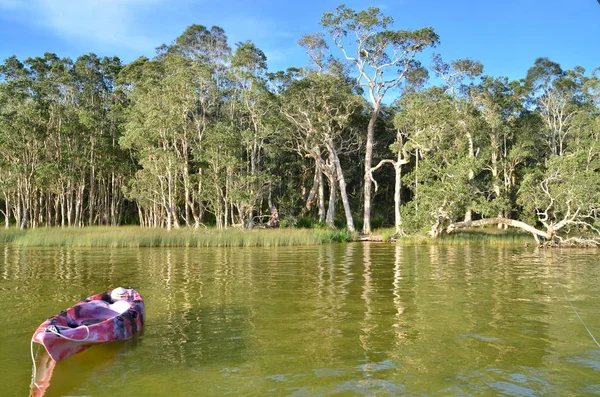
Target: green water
x,y
344,319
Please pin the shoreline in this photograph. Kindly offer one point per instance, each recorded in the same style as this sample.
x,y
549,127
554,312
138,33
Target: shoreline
x,y
136,236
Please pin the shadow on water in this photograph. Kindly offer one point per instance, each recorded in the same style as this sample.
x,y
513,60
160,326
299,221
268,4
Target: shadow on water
x,y
199,336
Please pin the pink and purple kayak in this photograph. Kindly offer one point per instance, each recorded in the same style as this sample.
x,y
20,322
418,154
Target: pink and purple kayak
x,y
95,320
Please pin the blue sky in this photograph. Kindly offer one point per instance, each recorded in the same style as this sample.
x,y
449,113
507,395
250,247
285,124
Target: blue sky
x,y
506,36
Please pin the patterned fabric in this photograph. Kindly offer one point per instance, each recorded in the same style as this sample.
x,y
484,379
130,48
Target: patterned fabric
x,y
92,321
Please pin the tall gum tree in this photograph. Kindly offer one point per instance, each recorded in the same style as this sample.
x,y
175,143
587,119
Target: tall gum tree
x,y
320,108
506,144
439,179
415,79
556,95
207,56
155,130
254,104
456,75
382,57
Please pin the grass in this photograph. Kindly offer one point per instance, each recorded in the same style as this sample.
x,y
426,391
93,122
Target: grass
x,y
489,236
9,235
132,236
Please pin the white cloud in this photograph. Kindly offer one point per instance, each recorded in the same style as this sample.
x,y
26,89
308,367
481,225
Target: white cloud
x,y
131,28
103,22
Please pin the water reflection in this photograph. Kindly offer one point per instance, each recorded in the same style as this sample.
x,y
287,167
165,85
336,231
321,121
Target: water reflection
x,y
343,318
51,378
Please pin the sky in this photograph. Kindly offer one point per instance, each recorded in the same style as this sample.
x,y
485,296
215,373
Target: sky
x,y
506,36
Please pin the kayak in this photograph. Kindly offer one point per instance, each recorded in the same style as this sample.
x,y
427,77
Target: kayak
x,y
97,319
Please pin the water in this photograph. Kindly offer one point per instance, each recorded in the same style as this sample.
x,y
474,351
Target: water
x,y
345,320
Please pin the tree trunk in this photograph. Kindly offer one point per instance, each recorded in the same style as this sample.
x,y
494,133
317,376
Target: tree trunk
x,y
321,198
496,183
332,198
367,177
17,210
274,218
397,197
509,222
469,213
141,215
36,212
313,191
92,196
7,213
343,192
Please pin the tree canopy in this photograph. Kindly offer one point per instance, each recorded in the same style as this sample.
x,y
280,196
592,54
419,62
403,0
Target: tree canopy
x,y
359,137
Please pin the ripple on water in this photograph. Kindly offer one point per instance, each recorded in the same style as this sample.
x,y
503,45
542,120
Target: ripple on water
x,y
345,319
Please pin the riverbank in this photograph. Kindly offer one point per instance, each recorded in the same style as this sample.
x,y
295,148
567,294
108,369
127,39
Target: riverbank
x,y
134,236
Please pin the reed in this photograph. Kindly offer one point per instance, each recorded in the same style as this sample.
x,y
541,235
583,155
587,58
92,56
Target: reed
x,y
9,235
131,236
488,236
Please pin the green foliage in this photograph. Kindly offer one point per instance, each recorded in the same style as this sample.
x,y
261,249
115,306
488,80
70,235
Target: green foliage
x,y
202,133
343,235
308,223
565,194
10,235
414,221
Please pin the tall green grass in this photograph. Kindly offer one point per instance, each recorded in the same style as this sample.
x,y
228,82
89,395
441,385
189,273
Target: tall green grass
x,y
131,236
9,235
487,236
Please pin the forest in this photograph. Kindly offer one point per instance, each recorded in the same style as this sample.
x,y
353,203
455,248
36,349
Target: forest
x,y
374,131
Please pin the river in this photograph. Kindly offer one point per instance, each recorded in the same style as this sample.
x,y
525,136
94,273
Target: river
x,y
341,319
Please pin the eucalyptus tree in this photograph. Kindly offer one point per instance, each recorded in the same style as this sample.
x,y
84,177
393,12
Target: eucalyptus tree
x,y
319,108
440,176
504,146
252,106
207,56
38,94
222,160
19,144
305,143
382,57
414,80
402,158
64,114
560,192
175,99
154,126
458,76
565,198
560,199
99,107
557,96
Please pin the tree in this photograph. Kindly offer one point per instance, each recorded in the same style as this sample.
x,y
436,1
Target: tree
x,y
557,96
440,178
254,104
319,108
560,192
456,75
155,129
377,51
505,143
